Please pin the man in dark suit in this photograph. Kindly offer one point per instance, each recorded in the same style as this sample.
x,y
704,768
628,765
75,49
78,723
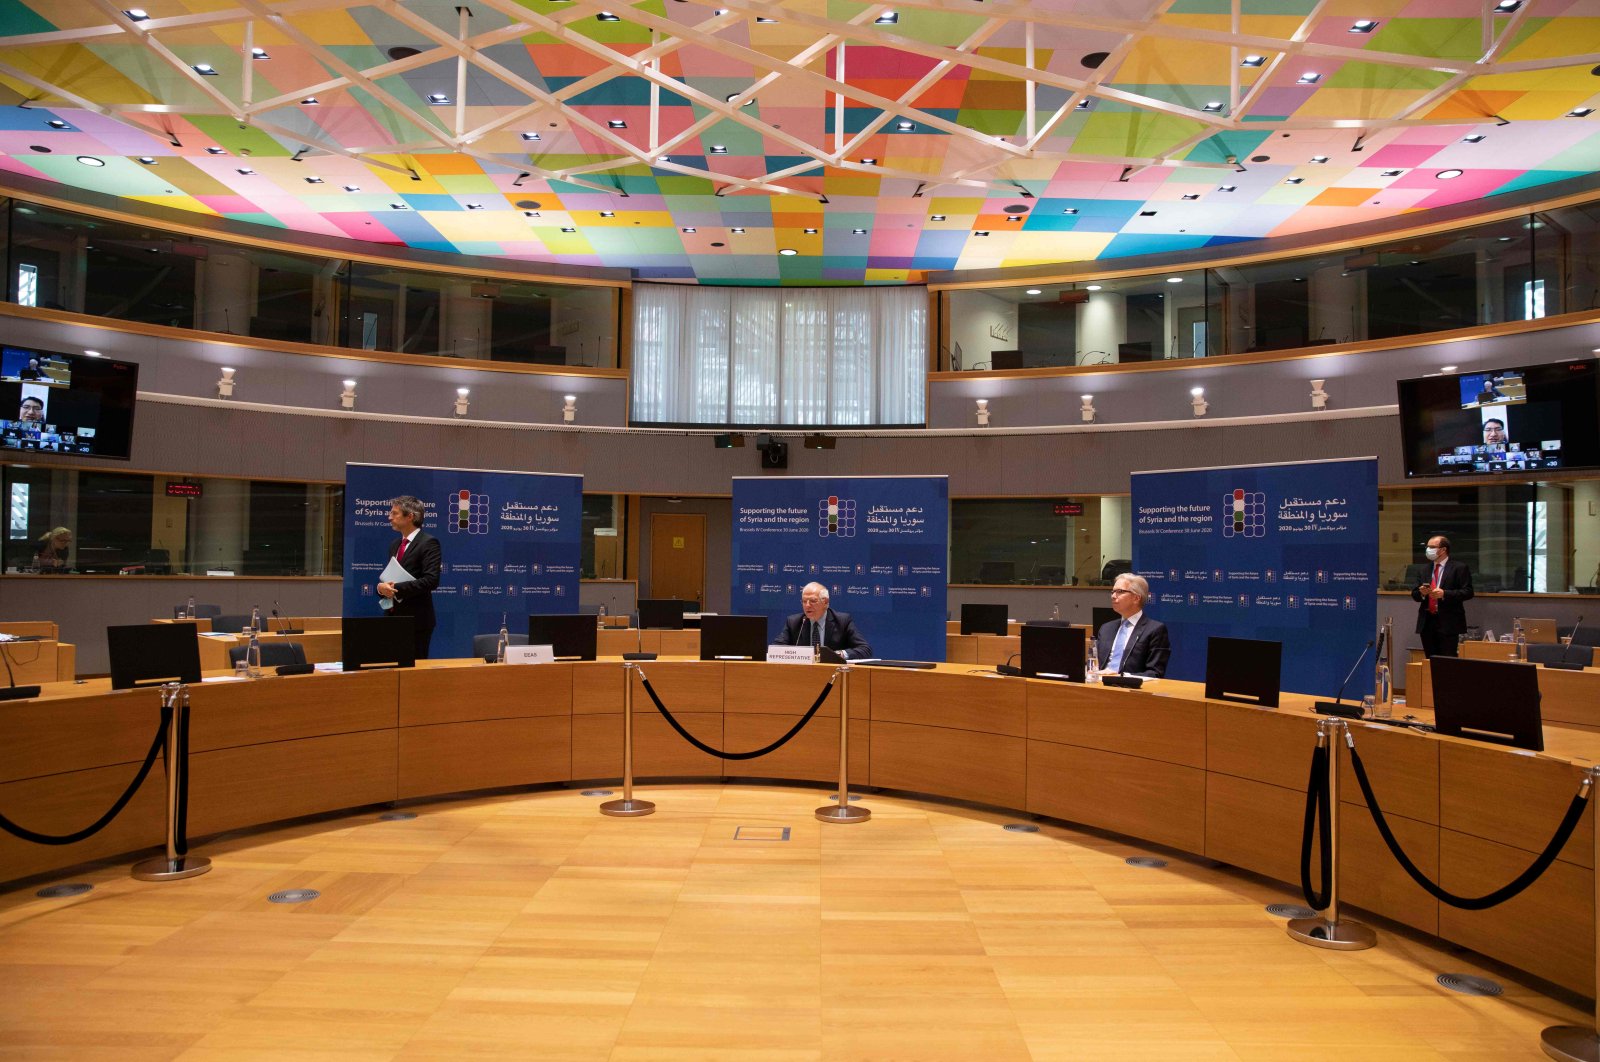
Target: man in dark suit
x,y
419,554
818,625
1442,598
1133,644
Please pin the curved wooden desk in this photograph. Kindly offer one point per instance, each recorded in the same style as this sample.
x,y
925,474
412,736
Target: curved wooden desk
x,y
1219,780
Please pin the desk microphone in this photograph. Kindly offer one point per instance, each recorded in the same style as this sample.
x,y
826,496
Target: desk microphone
x,y
1008,668
283,621
1562,664
1336,706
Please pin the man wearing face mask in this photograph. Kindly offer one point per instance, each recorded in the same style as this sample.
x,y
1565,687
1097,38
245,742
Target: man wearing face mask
x,y
1442,598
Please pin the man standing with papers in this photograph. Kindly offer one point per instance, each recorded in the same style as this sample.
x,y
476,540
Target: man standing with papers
x,y
409,579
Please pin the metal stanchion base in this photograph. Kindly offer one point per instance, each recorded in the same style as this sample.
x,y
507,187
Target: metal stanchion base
x,y
627,808
843,813
163,869
1343,935
1571,1043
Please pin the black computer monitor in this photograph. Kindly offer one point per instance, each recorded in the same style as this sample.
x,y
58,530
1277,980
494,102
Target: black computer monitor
x,y
661,613
371,642
1247,670
149,654
1488,700
983,619
1099,617
1051,651
569,637
733,637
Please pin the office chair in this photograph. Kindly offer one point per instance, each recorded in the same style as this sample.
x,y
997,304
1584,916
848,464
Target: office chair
x,y
227,624
1547,653
200,611
485,644
273,654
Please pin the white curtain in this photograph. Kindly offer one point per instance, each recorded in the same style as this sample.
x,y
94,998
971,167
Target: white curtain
x,y
776,356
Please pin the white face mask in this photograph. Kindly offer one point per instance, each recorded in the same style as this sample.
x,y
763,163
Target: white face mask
x,y
1433,553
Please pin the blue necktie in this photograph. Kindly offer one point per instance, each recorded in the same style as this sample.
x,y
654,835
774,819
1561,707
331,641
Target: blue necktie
x,y
1118,647
816,634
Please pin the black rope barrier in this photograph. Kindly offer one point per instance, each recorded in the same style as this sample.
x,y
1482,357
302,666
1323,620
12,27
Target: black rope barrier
x,y
1473,903
703,747
156,748
180,831
1318,806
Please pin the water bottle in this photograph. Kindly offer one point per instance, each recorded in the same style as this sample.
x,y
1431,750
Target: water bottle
x,y
189,612
252,653
1091,666
1520,640
1055,612
505,640
600,617
1382,693
255,618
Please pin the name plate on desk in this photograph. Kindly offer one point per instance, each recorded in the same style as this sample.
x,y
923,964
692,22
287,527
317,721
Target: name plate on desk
x,y
530,654
789,654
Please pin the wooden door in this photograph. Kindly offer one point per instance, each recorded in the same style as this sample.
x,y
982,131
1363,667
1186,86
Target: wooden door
x,y
678,556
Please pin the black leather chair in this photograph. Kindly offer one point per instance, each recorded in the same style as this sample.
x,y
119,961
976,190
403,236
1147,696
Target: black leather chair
x,y
273,654
1545,653
229,624
200,611
485,644
1588,634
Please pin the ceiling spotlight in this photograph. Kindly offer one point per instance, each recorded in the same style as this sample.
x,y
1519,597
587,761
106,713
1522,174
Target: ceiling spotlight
x,y
310,101
568,228
1448,175
1083,104
314,180
689,229
606,16
246,171
352,188
136,14
1253,60
224,383
719,149
147,160
1227,188
1579,112
474,206
1475,138
982,412
1391,173
1034,291
1364,25
763,21
616,123
811,232
56,123
1319,158
1215,106
463,401
398,206
1197,400
1192,196
215,151
888,18
1091,287
1174,280
981,232
205,68
530,213
938,217
906,125
1295,180
530,136
788,252
90,160
1069,210
737,231
858,232
869,162
438,99
347,397
259,53
1147,213
608,213
1505,7
1310,79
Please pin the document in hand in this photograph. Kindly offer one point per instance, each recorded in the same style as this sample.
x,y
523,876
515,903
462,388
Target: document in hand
x,y
392,573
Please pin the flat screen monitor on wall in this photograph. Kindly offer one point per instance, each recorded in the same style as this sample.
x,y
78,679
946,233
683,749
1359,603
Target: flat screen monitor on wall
x,y
1530,420
66,403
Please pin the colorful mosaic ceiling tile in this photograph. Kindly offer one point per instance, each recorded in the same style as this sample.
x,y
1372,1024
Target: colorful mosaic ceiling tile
x,y
801,141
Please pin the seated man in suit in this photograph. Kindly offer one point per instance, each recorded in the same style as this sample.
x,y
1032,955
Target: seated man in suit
x,y
818,625
1134,644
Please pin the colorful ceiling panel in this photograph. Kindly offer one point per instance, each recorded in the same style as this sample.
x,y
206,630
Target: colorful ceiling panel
x,y
801,141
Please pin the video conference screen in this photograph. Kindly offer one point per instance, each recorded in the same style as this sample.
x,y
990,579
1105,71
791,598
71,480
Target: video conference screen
x,y
1529,420
66,403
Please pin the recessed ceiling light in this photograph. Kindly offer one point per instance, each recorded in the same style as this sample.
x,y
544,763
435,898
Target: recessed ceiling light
x,y
147,160
530,136
788,252
811,232
215,151
1214,106
608,213
1227,188
617,123
888,18
688,229
1391,173
1013,217
438,99
56,123
719,149
858,232
1475,138
1448,175
474,206
259,53
1253,60
1310,79
206,69
246,171
734,95
314,180
530,213
1295,180
938,217
310,101
1364,25
1091,287
606,16
1192,195
1505,7
137,14
736,230
1174,280
869,162
1579,112
906,125
352,188
1147,213
1069,210
1448,368
766,21
1034,291
398,206
90,160
981,232
568,228
1083,104
1319,159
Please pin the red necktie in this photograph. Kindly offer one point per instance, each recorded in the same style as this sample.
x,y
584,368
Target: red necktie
x,y
1433,602
401,552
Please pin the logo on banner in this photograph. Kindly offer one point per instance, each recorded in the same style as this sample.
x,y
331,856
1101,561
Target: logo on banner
x,y
749,588
511,589
468,513
788,588
1350,603
836,517
901,569
877,590
493,567
1322,575
1244,600
1246,514
1272,575
561,590
466,589
927,591
1172,573
1294,600
1194,599
366,589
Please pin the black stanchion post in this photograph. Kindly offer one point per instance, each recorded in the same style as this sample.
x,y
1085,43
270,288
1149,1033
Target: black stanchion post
x,y
176,863
842,811
1580,1043
628,807
1328,930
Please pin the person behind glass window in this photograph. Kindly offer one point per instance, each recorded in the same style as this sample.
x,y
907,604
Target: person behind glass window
x,y
51,554
1441,599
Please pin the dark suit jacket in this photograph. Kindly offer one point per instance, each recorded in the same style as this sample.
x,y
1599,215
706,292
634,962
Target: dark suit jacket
x,y
838,634
1148,649
1456,582
415,597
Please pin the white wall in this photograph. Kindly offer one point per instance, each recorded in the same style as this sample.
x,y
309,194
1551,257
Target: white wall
x,y
584,320
1102,324
972,315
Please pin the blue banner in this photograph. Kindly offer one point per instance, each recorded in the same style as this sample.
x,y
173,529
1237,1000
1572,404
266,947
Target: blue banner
x,y
511,544
1287,553
879,544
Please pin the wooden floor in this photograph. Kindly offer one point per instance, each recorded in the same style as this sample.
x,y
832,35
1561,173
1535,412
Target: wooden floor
x,y
530,926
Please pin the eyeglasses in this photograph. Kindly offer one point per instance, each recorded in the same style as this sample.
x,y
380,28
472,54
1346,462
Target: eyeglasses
x,y
1120,590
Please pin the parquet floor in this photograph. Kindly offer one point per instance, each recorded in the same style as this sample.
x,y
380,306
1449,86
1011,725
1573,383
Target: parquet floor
x,y
532,927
